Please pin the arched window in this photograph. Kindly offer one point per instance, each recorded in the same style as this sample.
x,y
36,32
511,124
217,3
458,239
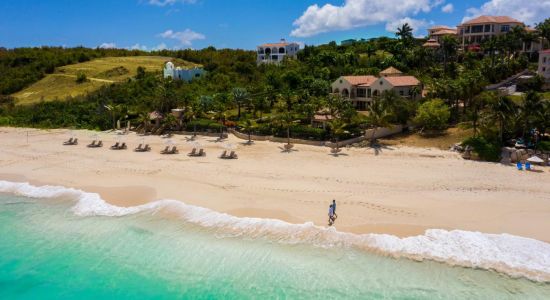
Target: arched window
x,y
281,50
345,93
267,51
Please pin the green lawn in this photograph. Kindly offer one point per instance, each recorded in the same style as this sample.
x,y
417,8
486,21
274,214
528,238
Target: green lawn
x,y
99,72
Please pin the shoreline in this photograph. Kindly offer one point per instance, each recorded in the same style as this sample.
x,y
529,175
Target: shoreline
x,y
514,256
401,191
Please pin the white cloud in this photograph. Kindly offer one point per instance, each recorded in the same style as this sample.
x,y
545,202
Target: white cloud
x,y
169,2
417,25
449,8
185,38
160,46
138,47
357,13
107,45
529,12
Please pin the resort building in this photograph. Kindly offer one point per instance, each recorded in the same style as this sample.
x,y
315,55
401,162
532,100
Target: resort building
x,y
437,33
362,90
178,73
276,52
473,32
544,65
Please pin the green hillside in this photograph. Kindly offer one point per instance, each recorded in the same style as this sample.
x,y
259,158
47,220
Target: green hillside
x,y
99,72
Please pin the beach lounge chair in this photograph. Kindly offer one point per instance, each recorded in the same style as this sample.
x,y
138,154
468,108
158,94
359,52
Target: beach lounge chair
x,y
69,142
232,155
201,152
123,146
115,146
165,151
519,165
193,152
528,166
147,148
138,148
174,150
75,142
99,144
92,145
224,154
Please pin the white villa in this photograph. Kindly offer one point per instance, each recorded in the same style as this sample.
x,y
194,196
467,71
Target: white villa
x,y
544,65
178,73
361,90
276,52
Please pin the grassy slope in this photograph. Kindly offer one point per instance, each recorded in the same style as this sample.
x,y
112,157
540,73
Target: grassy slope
x,y
444,141
99,72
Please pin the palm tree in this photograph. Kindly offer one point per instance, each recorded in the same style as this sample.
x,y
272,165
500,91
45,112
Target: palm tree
x,y
144,119
370,50
532,109
405,32
337,128
248,127
449,46
544,30
240,96
378,117
501,109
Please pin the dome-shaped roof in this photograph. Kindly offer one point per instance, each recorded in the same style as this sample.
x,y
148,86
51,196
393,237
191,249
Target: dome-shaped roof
x,y
169,65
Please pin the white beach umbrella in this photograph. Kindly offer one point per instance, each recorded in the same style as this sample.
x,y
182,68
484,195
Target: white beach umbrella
x,y
535,159
169,142
195,144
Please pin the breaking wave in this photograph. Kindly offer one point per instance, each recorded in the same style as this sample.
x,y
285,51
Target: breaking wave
x,y
512,255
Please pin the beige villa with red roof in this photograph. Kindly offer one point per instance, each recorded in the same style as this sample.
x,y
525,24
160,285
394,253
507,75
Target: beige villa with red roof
x,y
437,33
361,90
544,66
477,30
276,52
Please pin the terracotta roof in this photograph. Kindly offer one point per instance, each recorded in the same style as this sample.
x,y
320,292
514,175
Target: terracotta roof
x,y
491,19
438,27
444,32
431,43
360,80
402,80
391,71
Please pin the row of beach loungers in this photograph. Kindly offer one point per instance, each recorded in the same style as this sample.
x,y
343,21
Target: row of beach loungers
x,y
147,148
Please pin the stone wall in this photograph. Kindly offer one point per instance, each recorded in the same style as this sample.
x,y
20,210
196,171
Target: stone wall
x,y
513,155
380,132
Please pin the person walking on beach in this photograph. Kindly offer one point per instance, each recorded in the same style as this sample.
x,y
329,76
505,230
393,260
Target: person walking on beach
x,y
330,215
334,208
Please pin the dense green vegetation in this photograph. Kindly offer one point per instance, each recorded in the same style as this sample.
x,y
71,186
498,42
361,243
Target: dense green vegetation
x,y
282,100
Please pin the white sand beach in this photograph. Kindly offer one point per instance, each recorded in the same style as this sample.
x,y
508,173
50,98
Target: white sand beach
x,y
399,190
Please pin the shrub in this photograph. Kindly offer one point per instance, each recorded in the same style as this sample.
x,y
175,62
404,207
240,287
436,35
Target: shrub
x,y
81,78
433,115
486,150
203,125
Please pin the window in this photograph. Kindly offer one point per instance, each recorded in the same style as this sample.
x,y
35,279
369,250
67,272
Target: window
x,y
477,28
281,50
468,29
368,93
261,51
274,57
361,93
543,69
544,60
381,83
504,28
401,93
487,28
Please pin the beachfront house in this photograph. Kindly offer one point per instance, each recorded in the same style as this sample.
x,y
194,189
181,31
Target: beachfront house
x,y
275,53
473,32
362,90
179,73
544,66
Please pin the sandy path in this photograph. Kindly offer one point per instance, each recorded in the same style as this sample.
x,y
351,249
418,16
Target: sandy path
x,y
401,191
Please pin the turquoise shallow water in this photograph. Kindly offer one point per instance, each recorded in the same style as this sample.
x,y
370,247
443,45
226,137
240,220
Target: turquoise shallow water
x,y
48,252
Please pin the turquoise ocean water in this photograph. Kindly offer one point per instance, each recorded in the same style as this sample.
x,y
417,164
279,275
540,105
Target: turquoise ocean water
x,y
49,252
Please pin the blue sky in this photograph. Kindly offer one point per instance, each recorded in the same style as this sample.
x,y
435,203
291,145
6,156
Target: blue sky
x,y
150,24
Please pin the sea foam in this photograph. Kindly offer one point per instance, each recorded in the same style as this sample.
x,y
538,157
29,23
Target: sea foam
x,y
512,255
